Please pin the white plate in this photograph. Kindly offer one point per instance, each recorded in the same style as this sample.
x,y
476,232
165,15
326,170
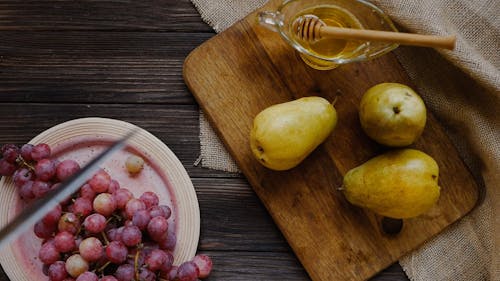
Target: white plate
x,y
81,140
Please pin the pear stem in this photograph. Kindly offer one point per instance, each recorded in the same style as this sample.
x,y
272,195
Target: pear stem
x,y
335,100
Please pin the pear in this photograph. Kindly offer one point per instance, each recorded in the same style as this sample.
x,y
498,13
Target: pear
x,y
398,184
392,114
285,134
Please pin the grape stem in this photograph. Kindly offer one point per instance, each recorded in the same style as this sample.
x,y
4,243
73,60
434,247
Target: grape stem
x,y
136,261
117,217
101,269
21,160
105,237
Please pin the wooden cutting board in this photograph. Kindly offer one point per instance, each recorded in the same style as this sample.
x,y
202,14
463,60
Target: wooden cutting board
x,y
247,68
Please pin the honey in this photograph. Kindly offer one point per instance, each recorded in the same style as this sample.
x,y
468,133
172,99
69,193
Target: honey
x,y
331,48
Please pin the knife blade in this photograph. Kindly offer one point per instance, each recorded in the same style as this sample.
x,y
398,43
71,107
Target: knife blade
x,y
38,209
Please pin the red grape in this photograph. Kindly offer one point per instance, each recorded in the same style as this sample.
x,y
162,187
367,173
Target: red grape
x,y
115,234
104,204
146,275
22,175
172,273
76,265
6,168
95,223
26,150
122,196
64,241
57,271
168,242
10,153
161,210
157,228
109,278
43,231
86,191
6,146
100,181
125,272
204,264
87,276
134,205
48,253
116,252
82,207
167,265
141,219
40,151
131,235
40,188
45,169
150,199
113,186
155,259
91,249
66,169
69,222
187,271
26,191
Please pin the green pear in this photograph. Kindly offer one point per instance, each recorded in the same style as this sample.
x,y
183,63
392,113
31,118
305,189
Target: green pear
x,y
392,114
284,134
399,184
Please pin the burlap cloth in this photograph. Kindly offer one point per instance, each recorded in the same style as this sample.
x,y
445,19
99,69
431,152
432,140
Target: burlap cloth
x,y
462,88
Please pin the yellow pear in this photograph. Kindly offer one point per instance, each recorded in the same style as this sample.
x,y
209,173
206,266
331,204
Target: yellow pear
x,y
284,134
399,184
392,114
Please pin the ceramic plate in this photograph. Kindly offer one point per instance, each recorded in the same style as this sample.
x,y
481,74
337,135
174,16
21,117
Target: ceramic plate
x,y
83,139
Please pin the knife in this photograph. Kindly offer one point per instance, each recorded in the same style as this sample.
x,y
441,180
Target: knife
x,y
38,209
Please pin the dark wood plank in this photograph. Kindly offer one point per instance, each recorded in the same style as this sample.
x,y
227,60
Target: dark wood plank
x,y
90,67
179,15
234,219
244,266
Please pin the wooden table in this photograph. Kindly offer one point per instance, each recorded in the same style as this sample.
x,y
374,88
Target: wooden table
x,y
61,60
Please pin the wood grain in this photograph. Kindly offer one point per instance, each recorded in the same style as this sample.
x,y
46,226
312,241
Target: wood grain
x,y
158,15
90,67
248,68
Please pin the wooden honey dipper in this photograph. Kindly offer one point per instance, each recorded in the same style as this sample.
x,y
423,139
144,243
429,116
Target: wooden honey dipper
x,y
311,28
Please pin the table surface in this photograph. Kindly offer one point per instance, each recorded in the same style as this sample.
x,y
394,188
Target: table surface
x,y
62,60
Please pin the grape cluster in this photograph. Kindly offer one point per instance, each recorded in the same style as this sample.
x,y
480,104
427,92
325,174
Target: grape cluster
x,y
101,233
